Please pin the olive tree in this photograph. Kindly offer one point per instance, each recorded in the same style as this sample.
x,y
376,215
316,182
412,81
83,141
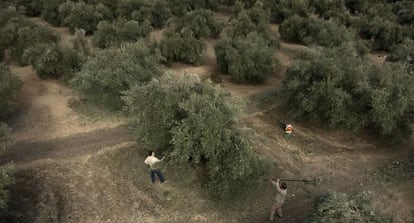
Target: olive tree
x,y
195,123
46,60
20,33
10,86
181,46
109,34
50,11
310,31
160,13
201,22
113,70
82,15
247,59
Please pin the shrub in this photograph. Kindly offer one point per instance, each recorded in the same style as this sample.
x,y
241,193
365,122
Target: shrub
x,y
315,31
247,59
183,47
111,71
339,207
10,86
195,123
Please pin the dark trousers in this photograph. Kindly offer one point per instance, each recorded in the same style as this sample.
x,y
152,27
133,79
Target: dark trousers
x,y
158,173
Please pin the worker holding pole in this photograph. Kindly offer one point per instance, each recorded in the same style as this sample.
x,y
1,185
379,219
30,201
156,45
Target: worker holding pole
x,y
279,199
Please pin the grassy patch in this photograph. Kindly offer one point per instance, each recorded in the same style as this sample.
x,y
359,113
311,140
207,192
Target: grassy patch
x,y
396,171
92,112
183,192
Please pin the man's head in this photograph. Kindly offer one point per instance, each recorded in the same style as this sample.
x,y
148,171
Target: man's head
x,y
283,186
151,153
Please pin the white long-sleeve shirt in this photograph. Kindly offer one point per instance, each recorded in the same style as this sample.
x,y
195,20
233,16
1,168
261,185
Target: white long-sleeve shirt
x,y
281,193
151,161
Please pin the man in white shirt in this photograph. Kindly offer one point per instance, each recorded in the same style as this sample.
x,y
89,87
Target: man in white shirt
x,y
279,199
152,161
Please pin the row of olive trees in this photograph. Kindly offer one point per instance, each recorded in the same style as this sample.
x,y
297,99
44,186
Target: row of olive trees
x,y
87,14
35,43
341,89
246,49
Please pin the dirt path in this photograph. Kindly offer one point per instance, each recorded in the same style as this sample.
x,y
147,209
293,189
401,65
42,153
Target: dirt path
x,y
66,147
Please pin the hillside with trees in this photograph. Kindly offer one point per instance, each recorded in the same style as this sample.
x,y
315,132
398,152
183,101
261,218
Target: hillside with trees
x,y
89,87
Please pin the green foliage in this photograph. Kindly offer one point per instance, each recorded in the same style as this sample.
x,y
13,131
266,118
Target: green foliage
x,y
111,71
391,100
195,123
50,11
183,47
19,33
82,15
108,34
181,7
246,22
247,48
46,60
160,13
402,170
403,52
383,34
405,11
201,22
338,88
327,8
5,171
247,59
126,8
5,16
309,31
339,207
31,8
10,86
283,9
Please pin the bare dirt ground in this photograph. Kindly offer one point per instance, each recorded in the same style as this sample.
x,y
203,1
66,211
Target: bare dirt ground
x,y
74,169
